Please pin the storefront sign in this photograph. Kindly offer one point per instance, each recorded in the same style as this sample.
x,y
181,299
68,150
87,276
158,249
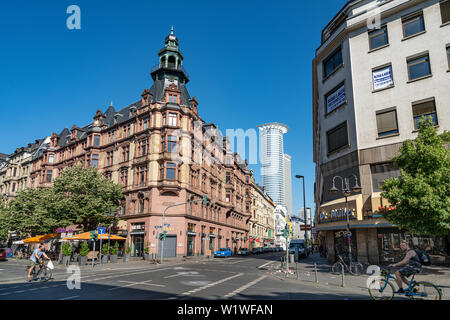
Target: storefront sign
x,y
337,212
166,227
336,99
382,78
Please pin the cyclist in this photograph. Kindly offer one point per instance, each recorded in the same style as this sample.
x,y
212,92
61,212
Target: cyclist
x,y
36,259
410,265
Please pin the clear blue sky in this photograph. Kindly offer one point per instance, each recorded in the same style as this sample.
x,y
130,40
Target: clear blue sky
x,y
249,63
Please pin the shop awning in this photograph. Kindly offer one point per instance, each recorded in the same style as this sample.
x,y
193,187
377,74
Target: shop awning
x,y
357,226
39,239
87,236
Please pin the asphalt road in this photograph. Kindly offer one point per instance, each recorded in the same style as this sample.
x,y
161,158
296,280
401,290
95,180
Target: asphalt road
x,y
248,278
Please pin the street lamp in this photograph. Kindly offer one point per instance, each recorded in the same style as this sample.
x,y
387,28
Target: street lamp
x,y
304,209
346,191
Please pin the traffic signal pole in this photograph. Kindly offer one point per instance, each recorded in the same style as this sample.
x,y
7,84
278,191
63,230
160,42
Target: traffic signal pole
x,y
163,216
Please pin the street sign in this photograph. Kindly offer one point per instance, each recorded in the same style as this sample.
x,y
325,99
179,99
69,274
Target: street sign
x,y
101,230
306,227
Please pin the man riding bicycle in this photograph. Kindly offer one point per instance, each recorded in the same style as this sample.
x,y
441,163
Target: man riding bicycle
x,y
36,259
411,265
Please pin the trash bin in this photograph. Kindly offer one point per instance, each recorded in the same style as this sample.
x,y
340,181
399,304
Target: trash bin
x,y
153,256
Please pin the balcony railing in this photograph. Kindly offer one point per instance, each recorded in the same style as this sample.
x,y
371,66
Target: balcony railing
x,y
171,67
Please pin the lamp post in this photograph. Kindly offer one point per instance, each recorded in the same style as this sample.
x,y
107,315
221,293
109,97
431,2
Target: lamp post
x,y
304,209
346,192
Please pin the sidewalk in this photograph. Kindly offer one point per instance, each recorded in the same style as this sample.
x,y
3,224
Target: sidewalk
x,y
439,275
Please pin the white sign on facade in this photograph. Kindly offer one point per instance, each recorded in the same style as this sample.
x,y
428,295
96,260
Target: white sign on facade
x,y
336,99
382,78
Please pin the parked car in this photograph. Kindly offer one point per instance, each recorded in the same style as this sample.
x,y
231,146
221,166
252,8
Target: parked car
x,y
261,250
3,255
223,252
243,252
300,244
255,251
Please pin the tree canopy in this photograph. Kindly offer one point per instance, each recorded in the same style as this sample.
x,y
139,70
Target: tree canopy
x,y
78,197
421,195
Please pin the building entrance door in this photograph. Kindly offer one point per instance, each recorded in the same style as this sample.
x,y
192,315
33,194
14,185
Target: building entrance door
x,y
170,246
190,246
137,245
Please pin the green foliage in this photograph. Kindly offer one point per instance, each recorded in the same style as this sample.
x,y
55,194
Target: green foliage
x,y
66,249
147,247
79,196
128,249
114,249
421,196
84,249
4,222
105,249
86,196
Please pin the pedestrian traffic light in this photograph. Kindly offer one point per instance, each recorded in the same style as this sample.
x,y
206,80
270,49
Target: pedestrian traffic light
x,y
94,236
205,200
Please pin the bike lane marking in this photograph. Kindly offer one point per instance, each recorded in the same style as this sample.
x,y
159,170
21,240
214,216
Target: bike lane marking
x,y
248,285
211,285
265,264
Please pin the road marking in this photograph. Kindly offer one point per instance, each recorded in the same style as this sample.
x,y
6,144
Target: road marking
x,y
248,285
237,261
131,283
127,274
73,297
184,273
211,284
265,264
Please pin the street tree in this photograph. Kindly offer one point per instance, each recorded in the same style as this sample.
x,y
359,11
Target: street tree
x,y
4,222
85,197
420,197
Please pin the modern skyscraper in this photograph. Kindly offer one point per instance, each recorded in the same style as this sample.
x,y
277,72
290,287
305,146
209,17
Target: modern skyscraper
x,y
276,165
287,183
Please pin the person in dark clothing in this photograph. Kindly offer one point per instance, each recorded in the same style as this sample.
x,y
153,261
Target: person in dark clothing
x,y
410,265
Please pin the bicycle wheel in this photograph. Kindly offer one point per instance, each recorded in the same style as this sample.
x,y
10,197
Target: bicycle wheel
x,y
425,291
337,268
46,274
380,290
356,268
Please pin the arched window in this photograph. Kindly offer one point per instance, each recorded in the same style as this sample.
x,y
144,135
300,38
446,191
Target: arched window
x,y
171,62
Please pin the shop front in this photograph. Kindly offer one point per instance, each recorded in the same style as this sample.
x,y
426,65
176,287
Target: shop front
x,y
137,236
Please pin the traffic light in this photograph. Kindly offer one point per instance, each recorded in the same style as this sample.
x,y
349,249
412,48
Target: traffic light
x,y
163,235
205,200
94,236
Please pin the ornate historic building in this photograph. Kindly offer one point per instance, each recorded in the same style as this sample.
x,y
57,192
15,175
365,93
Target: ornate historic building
x,y
262,220
163,153
15,169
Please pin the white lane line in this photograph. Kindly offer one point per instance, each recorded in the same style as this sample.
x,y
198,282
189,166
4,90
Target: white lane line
x,y
234,262
73,297
248,285
127,274
265,264
212,284
132,283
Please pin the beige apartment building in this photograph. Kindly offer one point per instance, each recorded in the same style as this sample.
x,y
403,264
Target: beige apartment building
x,y
15,169
371,84
261,224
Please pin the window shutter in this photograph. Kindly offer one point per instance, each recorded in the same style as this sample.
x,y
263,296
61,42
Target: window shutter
x,y
424,108
387,121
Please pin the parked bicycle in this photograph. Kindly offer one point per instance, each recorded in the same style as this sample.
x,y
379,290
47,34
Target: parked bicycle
x,y
383,289
353,267
44,272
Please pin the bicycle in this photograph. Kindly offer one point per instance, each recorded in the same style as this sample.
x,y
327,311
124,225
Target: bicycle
x,y
383,289
354,267
44,269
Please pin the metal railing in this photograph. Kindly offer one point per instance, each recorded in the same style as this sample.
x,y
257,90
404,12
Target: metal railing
x,y
170,67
